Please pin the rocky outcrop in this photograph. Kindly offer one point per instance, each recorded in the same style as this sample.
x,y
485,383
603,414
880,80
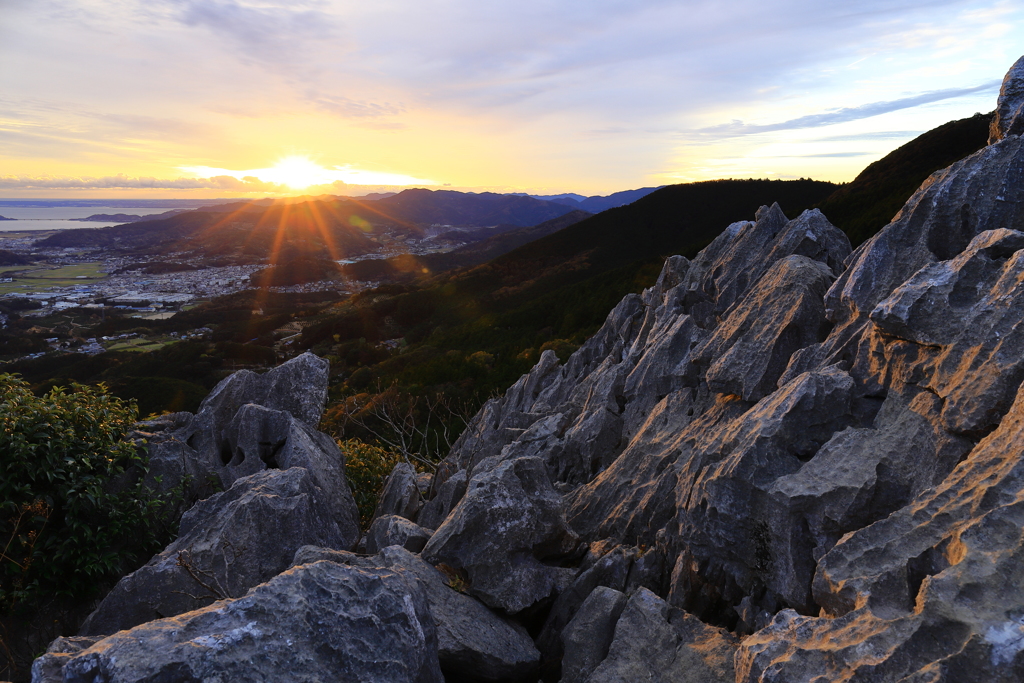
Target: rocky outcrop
x,y
587,638
401,494
654,642
474,643
1009,114
287,488
762,419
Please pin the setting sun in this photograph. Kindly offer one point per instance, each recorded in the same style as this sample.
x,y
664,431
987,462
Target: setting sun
x,y
298,173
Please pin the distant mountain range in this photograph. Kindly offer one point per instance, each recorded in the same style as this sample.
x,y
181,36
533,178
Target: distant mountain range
x,y
596,203
326,228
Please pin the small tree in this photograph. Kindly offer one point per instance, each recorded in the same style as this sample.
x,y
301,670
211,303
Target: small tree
x,y
74,513
367,468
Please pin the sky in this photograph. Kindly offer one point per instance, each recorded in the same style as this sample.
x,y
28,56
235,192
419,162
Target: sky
x,y
233,98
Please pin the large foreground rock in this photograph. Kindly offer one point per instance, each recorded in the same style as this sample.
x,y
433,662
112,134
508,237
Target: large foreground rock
x,y
228,544
316,622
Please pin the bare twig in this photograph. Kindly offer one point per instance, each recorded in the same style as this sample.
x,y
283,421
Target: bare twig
x,y
216,592
418,428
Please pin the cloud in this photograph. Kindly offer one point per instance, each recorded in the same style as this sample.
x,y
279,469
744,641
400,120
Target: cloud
x,y
836,155
844,115
266,33
872,135
123,182
354,109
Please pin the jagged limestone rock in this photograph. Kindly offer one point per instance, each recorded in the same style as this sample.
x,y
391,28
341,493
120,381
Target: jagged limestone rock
x,y
981,192
506,526
444,501
250,422
228,544
962,317
611,570
655,642
394,530
311,623
474,643
588,636
750,350
401,493
297,387
1009,118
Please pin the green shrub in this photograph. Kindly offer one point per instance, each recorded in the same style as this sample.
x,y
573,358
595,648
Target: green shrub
x,y
367,468
73,511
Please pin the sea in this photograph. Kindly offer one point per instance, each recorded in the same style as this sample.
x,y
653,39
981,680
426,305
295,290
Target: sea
x,y
56,214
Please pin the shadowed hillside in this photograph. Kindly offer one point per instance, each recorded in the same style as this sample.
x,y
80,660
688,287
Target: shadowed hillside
x,y
866,205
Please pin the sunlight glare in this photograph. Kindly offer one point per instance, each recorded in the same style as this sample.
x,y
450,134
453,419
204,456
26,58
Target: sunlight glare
x,y
298,173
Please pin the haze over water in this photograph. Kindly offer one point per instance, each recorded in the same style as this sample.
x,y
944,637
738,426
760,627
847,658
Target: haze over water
x,y
59,217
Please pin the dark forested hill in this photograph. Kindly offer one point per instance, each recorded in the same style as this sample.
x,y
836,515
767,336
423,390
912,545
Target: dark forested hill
x,y
866,205
678,219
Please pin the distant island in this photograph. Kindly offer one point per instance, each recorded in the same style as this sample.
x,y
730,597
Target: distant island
x,y
5,218
127,217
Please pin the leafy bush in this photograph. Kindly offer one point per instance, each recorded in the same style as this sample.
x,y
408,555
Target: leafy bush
x,y
367,468
73,510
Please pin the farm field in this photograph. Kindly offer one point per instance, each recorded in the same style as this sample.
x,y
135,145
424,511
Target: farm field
x,y
141,345
34,280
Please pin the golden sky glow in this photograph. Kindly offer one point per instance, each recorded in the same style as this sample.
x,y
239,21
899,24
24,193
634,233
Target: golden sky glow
x,y
218,98
301,173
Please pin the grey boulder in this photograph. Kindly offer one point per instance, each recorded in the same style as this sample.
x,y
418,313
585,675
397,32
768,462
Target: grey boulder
x,y
588,636
228,543
474,643
394,530
316,622
504,534
401,493
657,643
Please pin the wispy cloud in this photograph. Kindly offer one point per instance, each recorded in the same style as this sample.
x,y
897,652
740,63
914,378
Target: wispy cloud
x,y
266,32
355,109
836,155
844,115
871,135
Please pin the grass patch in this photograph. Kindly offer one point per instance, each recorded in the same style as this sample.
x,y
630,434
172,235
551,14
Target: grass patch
x,y
34,280
142,345
89,271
